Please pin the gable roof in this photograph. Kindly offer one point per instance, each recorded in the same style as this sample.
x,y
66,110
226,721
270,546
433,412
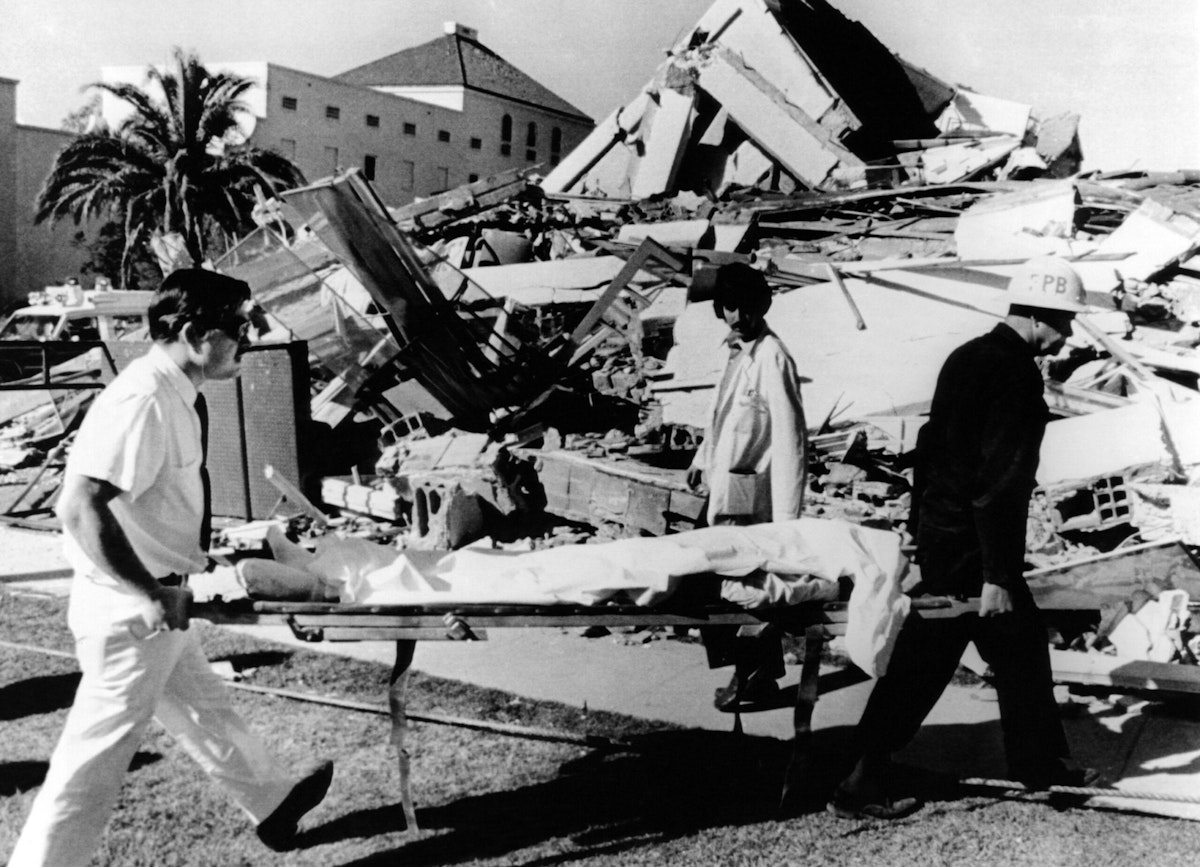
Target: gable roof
x,y
458,60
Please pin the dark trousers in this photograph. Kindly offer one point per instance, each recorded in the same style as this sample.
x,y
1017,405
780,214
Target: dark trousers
x,y
750,648
1016,647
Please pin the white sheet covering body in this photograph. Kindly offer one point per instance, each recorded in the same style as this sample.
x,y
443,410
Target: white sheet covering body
x,y
783,563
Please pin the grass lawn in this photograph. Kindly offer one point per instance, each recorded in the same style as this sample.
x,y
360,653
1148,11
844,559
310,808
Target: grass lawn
x,y
675,797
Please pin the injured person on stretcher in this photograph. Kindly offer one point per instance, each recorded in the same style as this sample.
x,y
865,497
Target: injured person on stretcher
x,y
762,565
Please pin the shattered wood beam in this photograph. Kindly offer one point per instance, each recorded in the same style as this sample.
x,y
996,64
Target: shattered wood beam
x,y
467,199
434,339
648,250
788,135
836,277
1145,377
665,145
592,149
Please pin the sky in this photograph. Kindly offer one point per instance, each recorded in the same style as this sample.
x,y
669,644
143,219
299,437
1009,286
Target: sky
x,y
1131,70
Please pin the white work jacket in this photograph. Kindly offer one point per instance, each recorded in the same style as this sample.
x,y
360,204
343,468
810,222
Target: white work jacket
x,y
753,454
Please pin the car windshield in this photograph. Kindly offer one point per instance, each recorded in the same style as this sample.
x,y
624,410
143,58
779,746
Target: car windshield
x,y
28,326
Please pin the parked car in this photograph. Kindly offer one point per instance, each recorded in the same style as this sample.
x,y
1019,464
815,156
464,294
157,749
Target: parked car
x,y
97,316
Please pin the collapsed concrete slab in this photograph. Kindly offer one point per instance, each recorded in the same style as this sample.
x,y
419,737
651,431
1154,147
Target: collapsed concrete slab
x,y
793,95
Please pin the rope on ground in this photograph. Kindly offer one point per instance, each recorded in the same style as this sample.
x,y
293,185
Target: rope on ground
x,y
527,732
31,648
1087,791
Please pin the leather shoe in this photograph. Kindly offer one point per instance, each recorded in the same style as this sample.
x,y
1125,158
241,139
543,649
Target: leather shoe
x,y
848,805
278,830
758,688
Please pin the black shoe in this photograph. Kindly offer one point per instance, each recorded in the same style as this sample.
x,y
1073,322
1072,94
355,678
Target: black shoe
x,y
278,830
758,689
850,805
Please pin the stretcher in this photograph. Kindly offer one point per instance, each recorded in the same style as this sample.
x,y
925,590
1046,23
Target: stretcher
x,y
406,625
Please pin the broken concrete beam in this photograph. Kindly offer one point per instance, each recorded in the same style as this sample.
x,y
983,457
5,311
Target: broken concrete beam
x,y
1035,220
783,131
1157,236
944,165
1118,440
621,123
747,166
1058,144
976,114
665,143
749,29
677,233
638,497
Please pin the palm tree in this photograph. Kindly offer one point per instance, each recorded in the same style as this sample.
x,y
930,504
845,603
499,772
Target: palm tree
x,y
174,166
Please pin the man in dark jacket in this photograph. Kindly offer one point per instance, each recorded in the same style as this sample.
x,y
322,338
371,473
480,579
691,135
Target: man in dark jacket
x,y
977,457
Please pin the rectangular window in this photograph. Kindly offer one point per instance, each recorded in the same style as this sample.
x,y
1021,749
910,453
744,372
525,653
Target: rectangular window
x,y
443,135
476,144
553,159
531,156
331,160
443,178
407,171
287,147
472,178
505,149
290,103
333,112
372,120
369,167
410,129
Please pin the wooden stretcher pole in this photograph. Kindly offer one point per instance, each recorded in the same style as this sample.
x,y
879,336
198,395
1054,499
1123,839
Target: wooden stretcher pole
x,y
397,704
801,761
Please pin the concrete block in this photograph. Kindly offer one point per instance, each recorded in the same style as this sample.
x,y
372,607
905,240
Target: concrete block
x,y
444,516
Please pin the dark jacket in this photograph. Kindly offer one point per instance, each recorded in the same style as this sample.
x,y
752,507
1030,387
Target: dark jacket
x,y
977,457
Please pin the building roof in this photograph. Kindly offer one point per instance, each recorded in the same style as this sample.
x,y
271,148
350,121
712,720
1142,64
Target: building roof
x,y
457,59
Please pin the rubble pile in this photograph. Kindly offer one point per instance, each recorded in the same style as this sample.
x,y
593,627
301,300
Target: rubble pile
x,y
534,354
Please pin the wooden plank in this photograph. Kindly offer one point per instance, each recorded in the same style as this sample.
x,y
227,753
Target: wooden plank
x,y
648,250
1098,669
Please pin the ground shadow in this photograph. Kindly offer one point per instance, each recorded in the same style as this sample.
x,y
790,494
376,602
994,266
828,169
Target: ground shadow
x,y
37,695
675,784
254,659
667,785
21,776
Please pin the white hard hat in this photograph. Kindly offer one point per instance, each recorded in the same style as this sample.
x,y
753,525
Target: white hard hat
x,y
1047,282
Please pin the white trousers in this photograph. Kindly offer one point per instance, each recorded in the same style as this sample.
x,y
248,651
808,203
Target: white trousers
x,y
126,682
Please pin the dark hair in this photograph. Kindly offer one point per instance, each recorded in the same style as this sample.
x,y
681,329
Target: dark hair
x,y
737,286
205,298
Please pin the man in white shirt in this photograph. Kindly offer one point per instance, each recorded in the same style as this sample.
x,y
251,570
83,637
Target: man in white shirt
x,y
133,507
752,459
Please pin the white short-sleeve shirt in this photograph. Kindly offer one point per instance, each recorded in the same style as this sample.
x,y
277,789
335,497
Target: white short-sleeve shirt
x,y
142,435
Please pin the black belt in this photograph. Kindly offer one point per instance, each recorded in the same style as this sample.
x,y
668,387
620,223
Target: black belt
x,y
173,580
